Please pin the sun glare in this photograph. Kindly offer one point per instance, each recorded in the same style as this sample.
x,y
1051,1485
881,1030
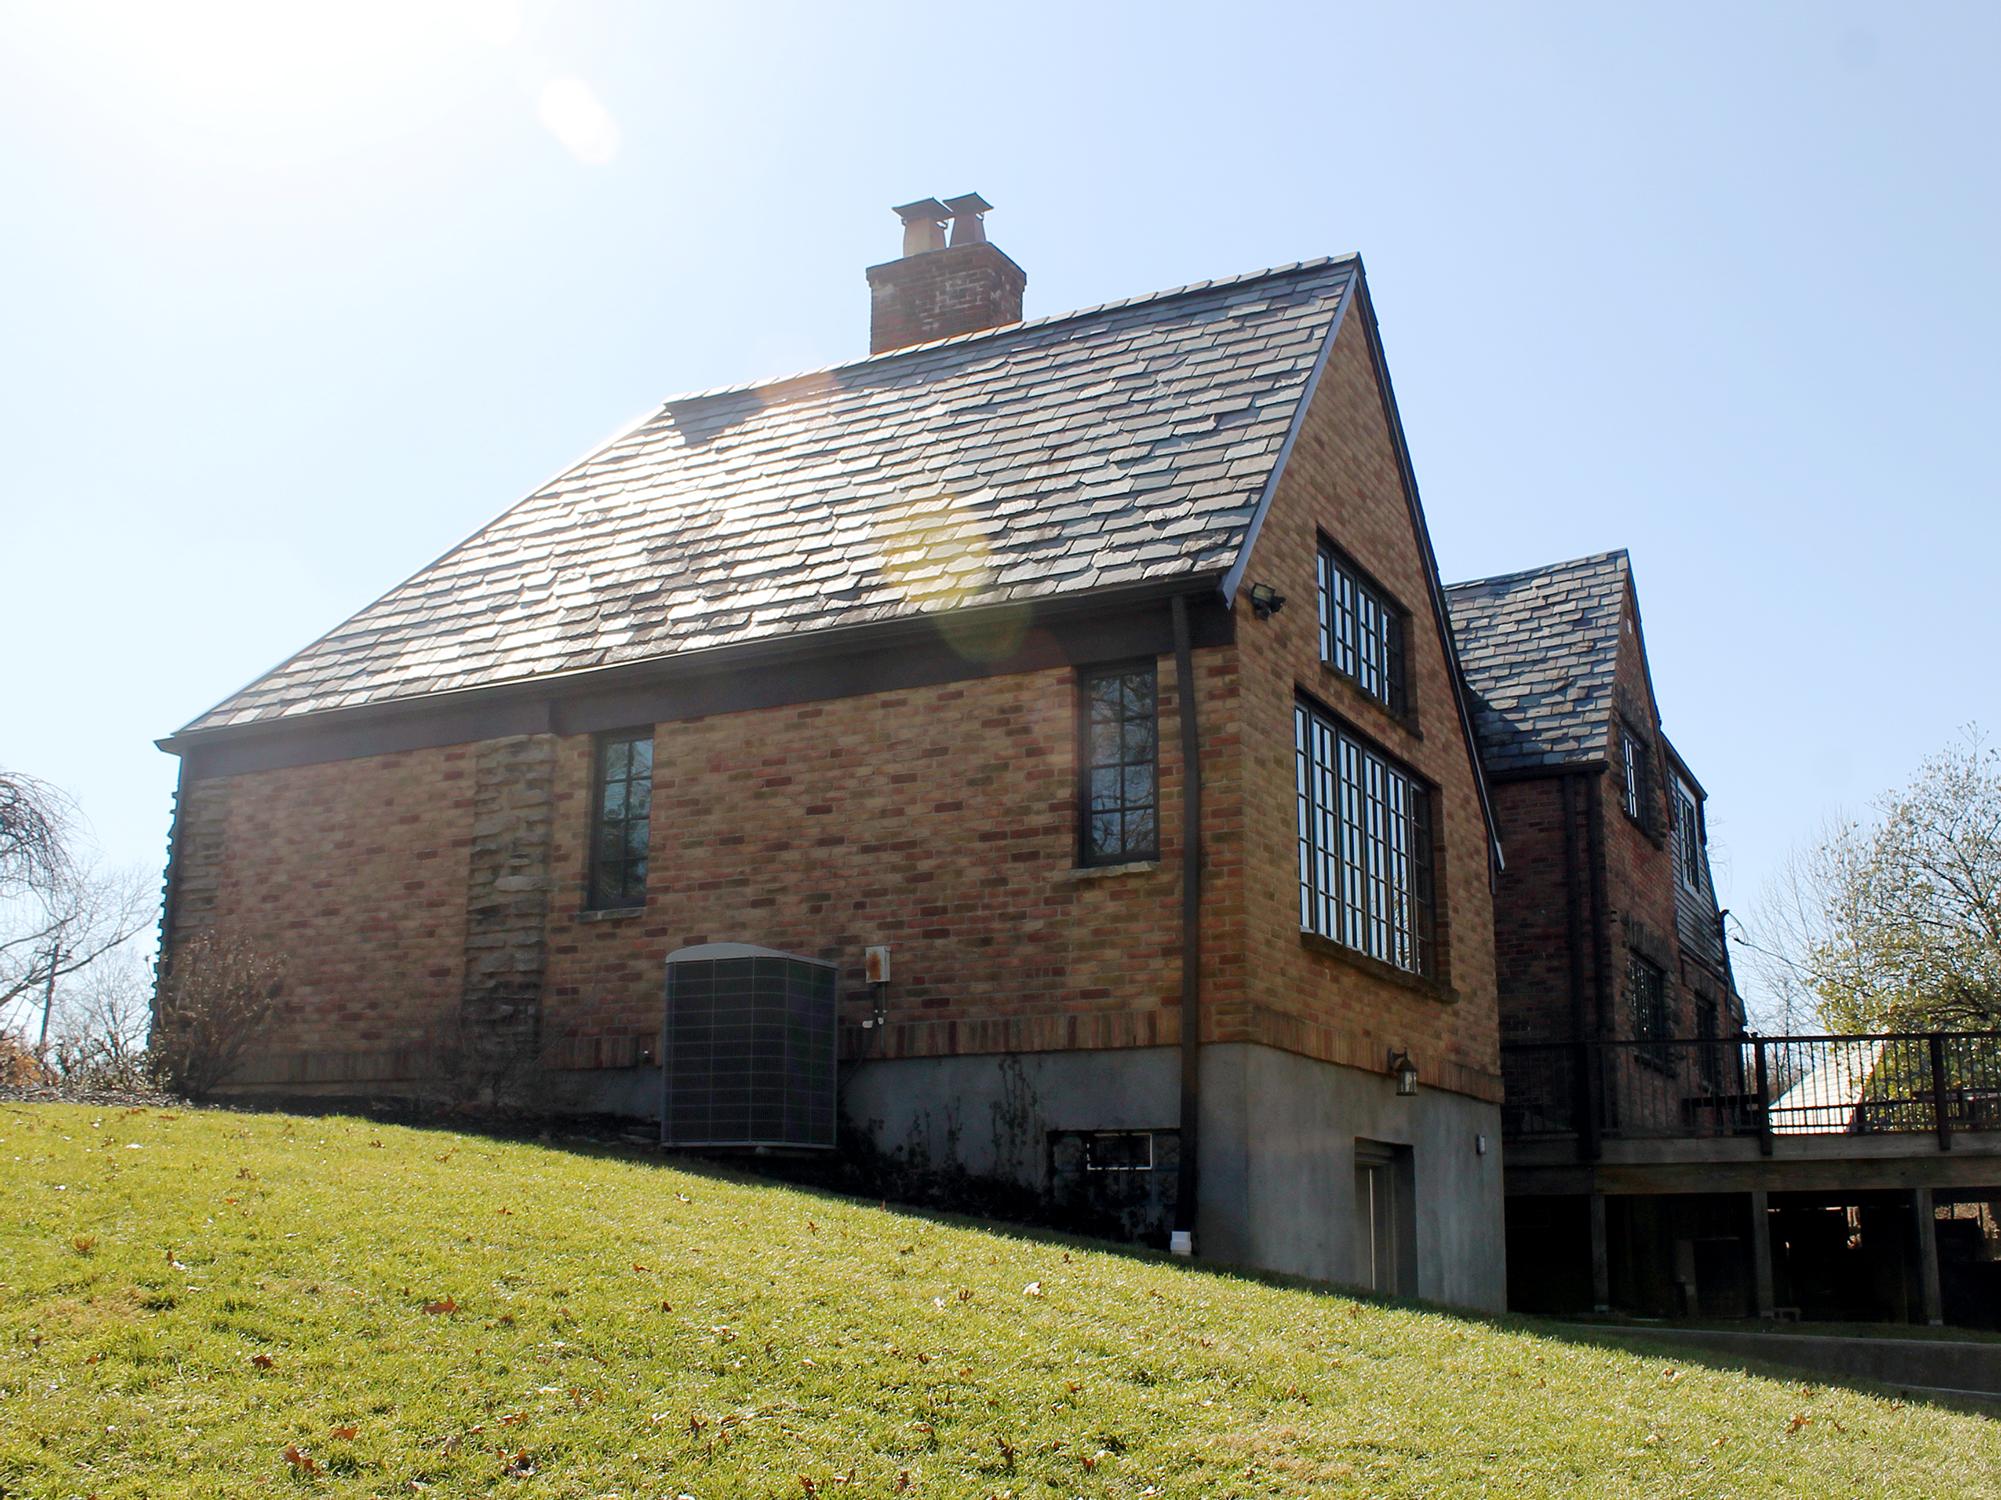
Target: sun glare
x,y
573,116
267,74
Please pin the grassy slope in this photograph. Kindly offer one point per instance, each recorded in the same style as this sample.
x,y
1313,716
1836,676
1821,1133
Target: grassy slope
x,y
638,1330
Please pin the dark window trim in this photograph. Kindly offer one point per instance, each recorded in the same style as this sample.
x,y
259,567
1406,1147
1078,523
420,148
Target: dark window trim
x,y
1397,700
1655,1025
600,745
1688,836
1636,770
1086,675
1427,966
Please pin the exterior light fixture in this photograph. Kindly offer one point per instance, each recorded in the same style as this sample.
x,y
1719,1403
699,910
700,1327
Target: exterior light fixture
x,y
1266,601
1405,1072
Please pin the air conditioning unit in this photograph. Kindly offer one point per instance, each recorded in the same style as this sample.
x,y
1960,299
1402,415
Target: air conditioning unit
x,y
752,1041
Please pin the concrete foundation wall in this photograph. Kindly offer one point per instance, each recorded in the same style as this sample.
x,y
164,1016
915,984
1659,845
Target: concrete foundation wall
x,y
1277,1148
1278,1172
991,1115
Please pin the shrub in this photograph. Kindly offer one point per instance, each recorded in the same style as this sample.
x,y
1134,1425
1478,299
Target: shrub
x,y
216,990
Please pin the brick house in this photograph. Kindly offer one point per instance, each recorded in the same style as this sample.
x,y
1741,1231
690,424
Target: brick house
x,y
901,668
1606,920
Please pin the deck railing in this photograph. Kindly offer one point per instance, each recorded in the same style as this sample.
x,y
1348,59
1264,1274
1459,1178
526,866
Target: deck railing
x,y
1899,1083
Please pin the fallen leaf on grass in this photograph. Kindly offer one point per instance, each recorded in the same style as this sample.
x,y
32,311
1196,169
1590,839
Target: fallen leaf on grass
x,y
519,1466
442,1305
300,1460
262,1361
1798,1420
84,1243
345,1434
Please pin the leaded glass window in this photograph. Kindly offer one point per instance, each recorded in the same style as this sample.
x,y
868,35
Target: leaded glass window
x,y
1646,995
1361,631
1118,765
621,819
1364,837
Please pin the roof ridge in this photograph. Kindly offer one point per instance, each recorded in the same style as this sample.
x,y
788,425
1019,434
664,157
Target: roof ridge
x,y
1615,553
1191,288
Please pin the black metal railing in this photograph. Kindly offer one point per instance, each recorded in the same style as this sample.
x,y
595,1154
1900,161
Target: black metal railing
x,y
1903,1083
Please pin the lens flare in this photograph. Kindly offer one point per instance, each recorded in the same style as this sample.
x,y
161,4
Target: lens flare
x,y
935,553
572,114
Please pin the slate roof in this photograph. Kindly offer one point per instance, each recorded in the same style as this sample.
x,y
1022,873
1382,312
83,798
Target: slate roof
x,y
1540,651
1118,445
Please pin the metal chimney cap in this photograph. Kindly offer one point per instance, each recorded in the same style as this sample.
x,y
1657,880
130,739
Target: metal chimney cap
x,y
924,210
967,203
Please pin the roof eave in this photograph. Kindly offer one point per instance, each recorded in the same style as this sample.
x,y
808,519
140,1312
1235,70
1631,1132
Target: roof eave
x,y
834,641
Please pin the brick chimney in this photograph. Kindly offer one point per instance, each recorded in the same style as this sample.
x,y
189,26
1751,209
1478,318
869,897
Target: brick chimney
x,y
937,289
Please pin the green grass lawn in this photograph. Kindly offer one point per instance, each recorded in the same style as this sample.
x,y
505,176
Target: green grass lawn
x,y
208,1304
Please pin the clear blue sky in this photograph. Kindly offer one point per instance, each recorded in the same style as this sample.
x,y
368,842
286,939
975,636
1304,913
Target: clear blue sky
x,y
297,297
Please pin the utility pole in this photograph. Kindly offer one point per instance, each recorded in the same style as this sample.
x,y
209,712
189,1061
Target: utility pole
x,y
49,999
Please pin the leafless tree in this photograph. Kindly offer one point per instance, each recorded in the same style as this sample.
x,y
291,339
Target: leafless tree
x,y
35,823
102,1019
60,911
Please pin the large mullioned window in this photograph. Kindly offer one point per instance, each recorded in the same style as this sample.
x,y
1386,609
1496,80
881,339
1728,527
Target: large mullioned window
x,y
1365,871
621,819
1361,631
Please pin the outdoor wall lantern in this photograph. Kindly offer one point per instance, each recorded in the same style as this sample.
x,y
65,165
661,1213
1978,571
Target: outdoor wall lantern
x,y
1266,601
1405,1072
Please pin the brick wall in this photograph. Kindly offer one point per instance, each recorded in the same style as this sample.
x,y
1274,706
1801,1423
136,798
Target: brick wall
x,y
1344,479
1532,907
408,888
358,871
939,820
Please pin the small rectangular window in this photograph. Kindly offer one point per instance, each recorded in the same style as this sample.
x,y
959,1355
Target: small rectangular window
x,y
1646,994
1364,836
1118,770
1688,836
1635,793
1361,631
621,819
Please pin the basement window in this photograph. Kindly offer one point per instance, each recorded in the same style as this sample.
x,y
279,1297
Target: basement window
x,y
1365,856
1119,1151
1361,630
1118,765
621,819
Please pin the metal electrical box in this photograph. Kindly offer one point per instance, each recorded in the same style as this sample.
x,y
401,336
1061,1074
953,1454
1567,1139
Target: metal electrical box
x,y
752,1038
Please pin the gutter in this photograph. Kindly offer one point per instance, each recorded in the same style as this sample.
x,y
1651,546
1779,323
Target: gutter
x,y
1188,1183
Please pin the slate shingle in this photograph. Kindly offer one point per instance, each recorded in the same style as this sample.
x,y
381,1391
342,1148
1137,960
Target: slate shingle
x,y
1540,652
1111,446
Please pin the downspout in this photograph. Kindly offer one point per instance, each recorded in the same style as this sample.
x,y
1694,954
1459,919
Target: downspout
x,y
1187,1182
1584,1100
1601,934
